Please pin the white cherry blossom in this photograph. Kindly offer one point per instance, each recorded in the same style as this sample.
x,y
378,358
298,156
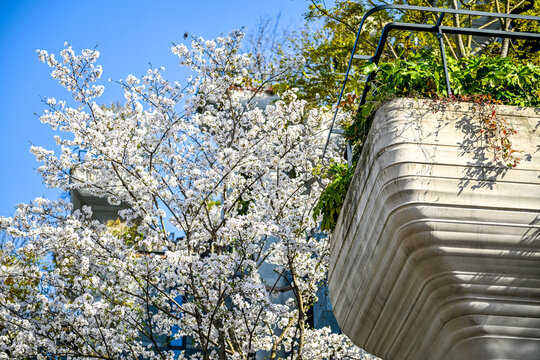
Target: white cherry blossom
x,y
236,181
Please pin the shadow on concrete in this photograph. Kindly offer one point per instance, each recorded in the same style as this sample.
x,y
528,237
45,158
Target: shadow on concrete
x,y
481,170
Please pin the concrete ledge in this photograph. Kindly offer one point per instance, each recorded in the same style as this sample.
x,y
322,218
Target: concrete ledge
x,y
436,254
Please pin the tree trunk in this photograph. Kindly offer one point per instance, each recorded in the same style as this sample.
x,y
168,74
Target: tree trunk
x,y
462,51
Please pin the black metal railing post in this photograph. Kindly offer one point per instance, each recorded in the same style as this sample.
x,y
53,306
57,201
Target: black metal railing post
x,y
440,37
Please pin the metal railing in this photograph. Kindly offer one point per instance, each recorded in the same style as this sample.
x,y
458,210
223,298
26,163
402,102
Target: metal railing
x,y
436,28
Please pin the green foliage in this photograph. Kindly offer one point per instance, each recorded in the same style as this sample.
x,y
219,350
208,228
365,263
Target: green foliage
x,y
497,72
129,234
325,43
329,34
18,284
503,80
527,50
331,200
481,79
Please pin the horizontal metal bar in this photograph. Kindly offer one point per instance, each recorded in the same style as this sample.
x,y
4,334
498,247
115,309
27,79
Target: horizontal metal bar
x,y
362,57
435,10
445,11
447,30
491,33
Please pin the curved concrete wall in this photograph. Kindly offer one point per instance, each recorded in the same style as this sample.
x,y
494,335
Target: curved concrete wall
x,y
436,254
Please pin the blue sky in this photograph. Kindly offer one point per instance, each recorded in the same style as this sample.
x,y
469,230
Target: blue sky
x,y
128,34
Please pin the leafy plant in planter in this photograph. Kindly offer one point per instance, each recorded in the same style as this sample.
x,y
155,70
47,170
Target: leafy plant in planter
x,y
331,200
482,80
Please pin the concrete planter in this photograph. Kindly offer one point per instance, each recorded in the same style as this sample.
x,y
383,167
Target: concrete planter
x,y
436,254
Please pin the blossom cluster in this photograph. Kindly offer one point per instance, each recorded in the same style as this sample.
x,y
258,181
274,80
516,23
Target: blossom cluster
x,y
236,180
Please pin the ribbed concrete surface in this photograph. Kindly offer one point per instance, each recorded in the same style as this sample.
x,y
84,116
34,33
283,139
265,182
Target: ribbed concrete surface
x,y
436,254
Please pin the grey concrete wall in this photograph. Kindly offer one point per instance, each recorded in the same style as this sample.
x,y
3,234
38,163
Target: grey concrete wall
x,y
436,254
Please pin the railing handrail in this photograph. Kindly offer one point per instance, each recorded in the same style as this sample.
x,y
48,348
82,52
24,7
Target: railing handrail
x,y
437,28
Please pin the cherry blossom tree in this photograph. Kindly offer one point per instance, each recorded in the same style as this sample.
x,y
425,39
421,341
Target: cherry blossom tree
x,y
237,181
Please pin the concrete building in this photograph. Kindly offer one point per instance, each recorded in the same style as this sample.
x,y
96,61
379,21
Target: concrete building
x,y
436,254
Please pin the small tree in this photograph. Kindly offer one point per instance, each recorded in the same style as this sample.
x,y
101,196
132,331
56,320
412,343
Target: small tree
x,y
237,181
